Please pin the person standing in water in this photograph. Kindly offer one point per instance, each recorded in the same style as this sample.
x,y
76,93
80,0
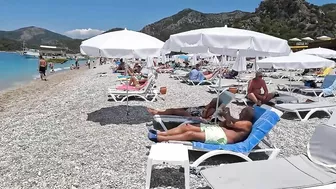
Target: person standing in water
x,y
76,63
42,68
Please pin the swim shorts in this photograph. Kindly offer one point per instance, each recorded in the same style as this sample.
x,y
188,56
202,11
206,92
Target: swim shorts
x,y
214,134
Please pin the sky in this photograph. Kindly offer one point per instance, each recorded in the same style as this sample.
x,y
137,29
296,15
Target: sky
x,y
86,18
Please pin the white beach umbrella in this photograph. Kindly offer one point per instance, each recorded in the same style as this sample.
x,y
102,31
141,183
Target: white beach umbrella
x,y
295,61
216,61
323,38
295,40
123,44
240,64
225,40
321,52
307,39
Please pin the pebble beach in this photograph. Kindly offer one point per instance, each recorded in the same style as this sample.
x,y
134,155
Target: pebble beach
x,y
64,133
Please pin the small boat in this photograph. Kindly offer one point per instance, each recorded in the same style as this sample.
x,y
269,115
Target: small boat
x,y
31,53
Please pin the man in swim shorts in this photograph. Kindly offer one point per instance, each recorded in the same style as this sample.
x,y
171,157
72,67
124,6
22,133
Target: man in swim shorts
x,y
254,90
229,131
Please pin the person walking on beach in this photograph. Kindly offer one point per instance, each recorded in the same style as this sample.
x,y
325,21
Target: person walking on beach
x,y
42,68
51,65
76,63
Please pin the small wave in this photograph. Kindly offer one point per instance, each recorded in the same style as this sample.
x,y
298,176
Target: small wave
x,y
58,69
66,68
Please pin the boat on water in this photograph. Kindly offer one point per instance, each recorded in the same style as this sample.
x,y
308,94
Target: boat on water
x,y
30,53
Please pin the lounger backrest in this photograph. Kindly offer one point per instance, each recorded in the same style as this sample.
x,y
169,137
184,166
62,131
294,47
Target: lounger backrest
x,y
322,146
260,129
328,81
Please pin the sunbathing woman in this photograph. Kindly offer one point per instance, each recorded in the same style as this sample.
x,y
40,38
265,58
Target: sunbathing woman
x,y
206,114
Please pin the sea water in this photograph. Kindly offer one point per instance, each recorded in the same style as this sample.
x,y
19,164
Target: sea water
x,y
16,69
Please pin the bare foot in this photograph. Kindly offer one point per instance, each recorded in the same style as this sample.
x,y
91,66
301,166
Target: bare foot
x,y
259,103
152,111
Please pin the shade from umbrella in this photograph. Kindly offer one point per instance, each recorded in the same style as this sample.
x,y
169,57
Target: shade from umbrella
x,y
321,52
122,44
295,61
225,40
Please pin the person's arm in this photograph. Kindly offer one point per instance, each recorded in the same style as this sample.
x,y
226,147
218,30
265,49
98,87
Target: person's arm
x,y
249,90
229,119
264,88
239,125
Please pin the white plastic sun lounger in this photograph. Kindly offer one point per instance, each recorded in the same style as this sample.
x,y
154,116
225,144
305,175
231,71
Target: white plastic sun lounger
x,y
316,170
310,107
264,122
147,93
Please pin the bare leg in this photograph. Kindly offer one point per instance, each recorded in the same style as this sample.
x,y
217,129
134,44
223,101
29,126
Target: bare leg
x,y
254,98
187,136
180,129
177,112
268,97
134,81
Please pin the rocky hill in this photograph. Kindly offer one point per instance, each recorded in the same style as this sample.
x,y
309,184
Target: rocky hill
x,y
34,37
282,18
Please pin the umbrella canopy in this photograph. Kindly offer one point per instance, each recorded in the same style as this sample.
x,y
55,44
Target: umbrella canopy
x,y
225,40
295,61
323,38
295,39
122,44
321,52
307,39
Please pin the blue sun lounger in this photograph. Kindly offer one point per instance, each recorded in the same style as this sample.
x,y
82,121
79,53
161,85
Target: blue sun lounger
x,y
264,121
315,170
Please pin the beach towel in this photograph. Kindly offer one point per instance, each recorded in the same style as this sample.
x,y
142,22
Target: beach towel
x,y
130,88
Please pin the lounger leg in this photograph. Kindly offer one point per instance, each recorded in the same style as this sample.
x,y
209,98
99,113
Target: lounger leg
x,y
186,174
218,152
298,114
148,173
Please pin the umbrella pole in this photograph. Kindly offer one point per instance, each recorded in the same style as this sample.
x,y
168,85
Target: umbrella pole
x,y
126,74
218,93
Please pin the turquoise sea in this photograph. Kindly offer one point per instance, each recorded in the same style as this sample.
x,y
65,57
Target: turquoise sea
x,y
16,69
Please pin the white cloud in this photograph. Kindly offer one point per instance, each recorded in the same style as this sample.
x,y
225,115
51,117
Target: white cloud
x,y
83,33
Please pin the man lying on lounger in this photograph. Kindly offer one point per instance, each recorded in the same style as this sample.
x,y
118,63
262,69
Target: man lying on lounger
x,y
206,114
254,90
228,132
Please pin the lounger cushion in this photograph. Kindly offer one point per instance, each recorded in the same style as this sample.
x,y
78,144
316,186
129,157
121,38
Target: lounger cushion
x,y
131,88
322,148
260,129
293,172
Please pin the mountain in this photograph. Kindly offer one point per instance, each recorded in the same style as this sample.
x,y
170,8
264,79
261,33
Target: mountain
x,y
189,19
281,18
35,36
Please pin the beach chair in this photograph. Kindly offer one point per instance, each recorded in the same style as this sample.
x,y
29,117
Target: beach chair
x,y
166,122
328,87
315,170
263,123
147,93
204,80
310,107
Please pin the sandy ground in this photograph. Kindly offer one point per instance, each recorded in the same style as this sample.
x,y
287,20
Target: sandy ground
x,y
64,133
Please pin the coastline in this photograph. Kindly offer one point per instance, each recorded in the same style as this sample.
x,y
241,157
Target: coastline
x,y
30,88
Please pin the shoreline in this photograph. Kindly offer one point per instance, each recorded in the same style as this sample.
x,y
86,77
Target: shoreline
x,y
29,88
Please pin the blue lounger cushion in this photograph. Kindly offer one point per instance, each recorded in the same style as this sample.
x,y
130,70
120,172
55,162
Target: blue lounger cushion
x,y
260,129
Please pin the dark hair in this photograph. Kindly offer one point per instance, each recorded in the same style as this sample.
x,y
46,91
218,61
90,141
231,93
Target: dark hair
x,y
41,57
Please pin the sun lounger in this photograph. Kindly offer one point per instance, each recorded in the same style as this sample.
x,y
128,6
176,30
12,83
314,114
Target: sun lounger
x,y
317,169
310,107
265,120
328,82
166,122
147,93
204,80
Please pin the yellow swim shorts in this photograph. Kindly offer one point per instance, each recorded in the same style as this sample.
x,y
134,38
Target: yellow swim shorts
x,y
214,134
